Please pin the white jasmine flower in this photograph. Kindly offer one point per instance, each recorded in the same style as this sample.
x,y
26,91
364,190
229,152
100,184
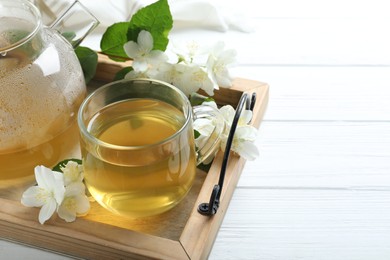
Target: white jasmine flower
x,y
75,203
228,113
48,194
218,62
142,52
171,73
244,135
56,191
243,142
205,126
197,78
73,172
188,78
190,52
176,74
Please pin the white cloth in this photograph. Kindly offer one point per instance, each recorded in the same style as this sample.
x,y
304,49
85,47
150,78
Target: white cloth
x,y
186,13
206,14
203,14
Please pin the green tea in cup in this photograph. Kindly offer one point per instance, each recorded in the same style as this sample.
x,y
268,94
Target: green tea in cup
x,y
138,146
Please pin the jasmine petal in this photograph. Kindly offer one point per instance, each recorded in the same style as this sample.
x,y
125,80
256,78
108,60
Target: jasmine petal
x,y
204,126
131,49
140,65
246,117
243,142
47,210
145,41
210,104
228,112
34,197
218,62
75,203
249,151
64,213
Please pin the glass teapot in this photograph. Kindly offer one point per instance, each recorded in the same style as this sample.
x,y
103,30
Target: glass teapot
x,y
41,87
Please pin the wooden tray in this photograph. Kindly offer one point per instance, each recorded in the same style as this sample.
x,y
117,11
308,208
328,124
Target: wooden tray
x,y
181,233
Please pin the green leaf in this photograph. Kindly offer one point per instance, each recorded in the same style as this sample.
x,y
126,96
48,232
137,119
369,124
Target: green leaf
x,y
156,19
88,61
113,40
122,73
197,99
63,163
196,134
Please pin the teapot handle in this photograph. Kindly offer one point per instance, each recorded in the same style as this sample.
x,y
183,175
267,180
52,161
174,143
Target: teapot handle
x,y
75,23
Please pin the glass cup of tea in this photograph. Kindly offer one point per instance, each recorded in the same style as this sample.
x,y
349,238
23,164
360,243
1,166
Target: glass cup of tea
x,y
138,148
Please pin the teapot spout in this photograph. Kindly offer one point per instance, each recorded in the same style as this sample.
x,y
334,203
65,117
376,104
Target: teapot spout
x,y
75,23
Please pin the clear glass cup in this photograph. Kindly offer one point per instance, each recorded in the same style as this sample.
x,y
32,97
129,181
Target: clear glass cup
x,y
137,144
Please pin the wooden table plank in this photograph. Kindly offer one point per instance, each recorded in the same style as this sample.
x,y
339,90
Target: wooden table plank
x,y
305,224
321,154
324,93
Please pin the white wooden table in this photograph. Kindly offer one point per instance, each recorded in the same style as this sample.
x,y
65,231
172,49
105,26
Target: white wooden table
x,y
321,187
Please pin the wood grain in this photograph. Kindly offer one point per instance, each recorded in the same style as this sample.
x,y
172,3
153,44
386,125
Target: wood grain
x,y
321,155
82,238
318,93
290,223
